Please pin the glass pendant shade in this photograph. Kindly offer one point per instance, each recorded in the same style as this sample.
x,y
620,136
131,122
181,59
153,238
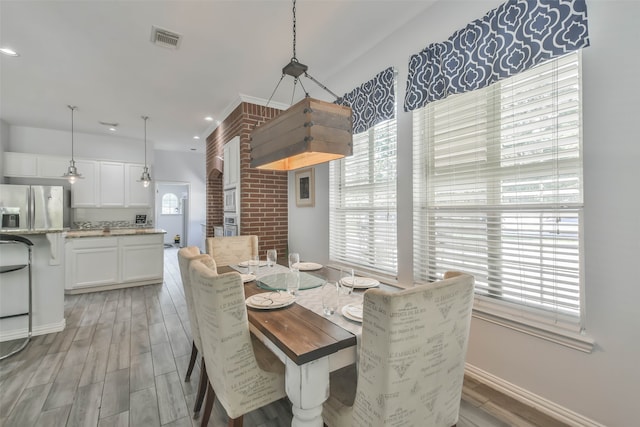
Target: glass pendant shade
x,y
145,178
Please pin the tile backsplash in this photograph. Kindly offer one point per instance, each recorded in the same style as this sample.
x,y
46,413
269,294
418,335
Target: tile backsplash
x,y
88,225
88,218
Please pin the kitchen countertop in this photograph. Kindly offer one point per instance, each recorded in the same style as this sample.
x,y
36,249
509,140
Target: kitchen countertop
x,y
26,232
72,234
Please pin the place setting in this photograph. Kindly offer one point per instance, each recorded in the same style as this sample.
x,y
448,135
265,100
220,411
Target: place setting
x,y
353,312
296,264
270,300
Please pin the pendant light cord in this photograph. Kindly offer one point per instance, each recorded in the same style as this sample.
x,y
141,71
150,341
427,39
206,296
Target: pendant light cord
x,y
297,79
294,32
73,109
145,139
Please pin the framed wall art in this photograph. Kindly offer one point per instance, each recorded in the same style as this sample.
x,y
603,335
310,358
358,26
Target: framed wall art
x,y
305,188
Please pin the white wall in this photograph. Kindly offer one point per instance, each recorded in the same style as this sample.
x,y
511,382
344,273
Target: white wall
x,y
4,142
601,386
25,139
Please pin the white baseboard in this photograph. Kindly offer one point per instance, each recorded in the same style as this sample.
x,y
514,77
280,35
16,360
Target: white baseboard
x,y
21,333
541,404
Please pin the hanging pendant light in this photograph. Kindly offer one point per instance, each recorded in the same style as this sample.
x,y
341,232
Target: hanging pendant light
x,y
308,133
145,178
72,173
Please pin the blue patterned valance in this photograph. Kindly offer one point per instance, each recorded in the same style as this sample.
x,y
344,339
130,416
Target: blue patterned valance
x,y
512,38
372,102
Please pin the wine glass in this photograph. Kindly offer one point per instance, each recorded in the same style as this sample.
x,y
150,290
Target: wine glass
x,y
272,257
294,260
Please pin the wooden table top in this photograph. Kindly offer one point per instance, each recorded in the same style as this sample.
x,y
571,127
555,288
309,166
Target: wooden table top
x,y
300,333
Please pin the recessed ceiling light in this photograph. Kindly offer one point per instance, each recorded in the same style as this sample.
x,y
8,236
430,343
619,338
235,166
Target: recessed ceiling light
x,y
196,137
8,51
209,118
112,129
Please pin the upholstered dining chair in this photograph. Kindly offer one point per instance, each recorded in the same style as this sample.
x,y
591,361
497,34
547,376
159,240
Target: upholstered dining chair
x,y
412,358
243,374
232,249
185,256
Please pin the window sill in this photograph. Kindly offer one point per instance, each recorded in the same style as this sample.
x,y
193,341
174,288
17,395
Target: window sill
x,y
573,339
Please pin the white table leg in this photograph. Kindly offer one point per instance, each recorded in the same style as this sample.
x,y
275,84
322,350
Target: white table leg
x,y
307,387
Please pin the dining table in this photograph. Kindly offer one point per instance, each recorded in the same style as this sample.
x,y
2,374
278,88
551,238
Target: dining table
x,y
310,344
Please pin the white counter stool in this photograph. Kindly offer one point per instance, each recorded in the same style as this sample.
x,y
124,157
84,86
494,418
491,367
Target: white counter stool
x,y
9,239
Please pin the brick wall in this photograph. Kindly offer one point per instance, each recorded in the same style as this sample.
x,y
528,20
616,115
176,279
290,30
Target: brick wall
x,y
264,200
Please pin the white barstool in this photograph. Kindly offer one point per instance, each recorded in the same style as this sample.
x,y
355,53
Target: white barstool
x,y
9,239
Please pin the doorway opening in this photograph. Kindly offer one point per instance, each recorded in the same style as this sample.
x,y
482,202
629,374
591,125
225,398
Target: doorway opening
x,y
172,212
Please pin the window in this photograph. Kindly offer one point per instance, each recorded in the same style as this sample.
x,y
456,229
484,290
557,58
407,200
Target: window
x,y
170,204
362,202
498,193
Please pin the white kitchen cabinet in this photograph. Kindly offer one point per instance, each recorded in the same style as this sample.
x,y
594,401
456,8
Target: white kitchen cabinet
x,y
52,167
104,184
91,262
141,257
111,184
135,194
231,173
21,165
85,191
101,263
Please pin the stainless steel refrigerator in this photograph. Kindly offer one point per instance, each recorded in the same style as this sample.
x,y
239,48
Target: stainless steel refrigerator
x,y
31,207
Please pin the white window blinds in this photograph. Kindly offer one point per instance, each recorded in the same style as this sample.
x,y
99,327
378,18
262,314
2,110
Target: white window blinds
x,y
498,191
362,202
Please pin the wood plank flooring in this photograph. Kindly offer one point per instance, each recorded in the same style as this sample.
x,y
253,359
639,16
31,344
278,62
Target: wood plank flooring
x,y
121,362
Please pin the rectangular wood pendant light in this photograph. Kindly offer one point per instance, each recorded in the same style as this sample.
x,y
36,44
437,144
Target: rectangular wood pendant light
x,y
308,133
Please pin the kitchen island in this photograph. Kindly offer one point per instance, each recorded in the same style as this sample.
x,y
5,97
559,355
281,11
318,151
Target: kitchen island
x,y
48,277
98,260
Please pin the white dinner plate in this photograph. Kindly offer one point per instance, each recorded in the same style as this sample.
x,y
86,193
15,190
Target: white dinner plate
x,y
360,282
270,300
307,266
353,312
246,263
247,277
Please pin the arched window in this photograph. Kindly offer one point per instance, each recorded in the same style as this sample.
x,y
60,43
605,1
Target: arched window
x,y
170,204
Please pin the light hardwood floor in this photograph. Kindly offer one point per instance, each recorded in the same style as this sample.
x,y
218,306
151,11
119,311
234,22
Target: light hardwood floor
x,y
122,358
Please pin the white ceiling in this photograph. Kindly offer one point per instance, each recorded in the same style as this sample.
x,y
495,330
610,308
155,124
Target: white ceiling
x,y
98,56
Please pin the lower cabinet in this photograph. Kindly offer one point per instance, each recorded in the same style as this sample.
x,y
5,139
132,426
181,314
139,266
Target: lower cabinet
x,y
100,263
141,258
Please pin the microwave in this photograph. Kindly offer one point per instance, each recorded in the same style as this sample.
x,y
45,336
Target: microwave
x,y
230,200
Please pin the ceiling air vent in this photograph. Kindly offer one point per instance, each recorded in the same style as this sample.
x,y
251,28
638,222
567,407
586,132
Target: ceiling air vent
x,y
165,38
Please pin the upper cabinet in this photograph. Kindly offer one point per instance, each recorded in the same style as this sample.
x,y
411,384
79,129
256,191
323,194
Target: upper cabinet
x,y
113,184
85,191
52,167
27,165
231,153
135,194
104,184
21,164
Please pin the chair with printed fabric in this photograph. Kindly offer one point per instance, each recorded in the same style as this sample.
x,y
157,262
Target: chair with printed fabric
x,y
244,375
185,256
231,250
412,358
